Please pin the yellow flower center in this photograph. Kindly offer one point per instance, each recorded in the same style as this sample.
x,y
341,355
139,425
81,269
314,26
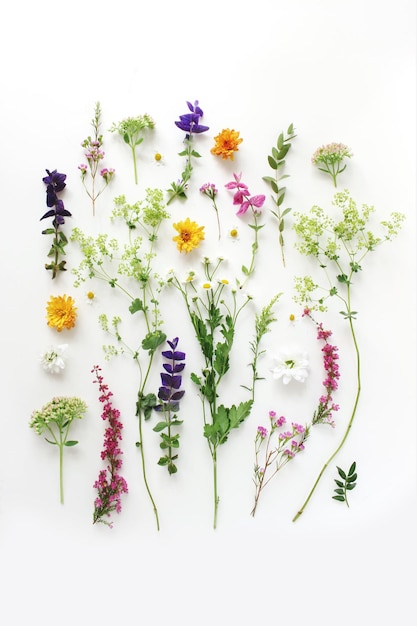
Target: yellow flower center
x,y
224,281
292,317
233,232
90,295
158,156
206,286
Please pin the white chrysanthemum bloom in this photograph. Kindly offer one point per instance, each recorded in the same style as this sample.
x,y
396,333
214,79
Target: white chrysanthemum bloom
x,y
53,361
290,365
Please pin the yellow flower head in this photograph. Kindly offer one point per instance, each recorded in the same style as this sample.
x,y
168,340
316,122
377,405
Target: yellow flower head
x,y
61,312
226,143
189,235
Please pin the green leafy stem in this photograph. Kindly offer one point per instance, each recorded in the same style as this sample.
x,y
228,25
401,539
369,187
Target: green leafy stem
x,y
276,162
347,483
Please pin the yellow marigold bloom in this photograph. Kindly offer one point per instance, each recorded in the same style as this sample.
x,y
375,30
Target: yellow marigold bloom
x,y
61,312
226,143
189,235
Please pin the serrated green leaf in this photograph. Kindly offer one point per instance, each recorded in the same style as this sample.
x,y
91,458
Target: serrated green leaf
x,y
153,340
136,305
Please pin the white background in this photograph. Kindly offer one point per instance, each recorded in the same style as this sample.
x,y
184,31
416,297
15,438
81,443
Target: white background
x,y
338,71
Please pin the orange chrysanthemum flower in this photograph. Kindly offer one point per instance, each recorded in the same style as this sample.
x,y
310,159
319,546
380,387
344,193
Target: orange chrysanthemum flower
x,y
61,312
227,143
189,235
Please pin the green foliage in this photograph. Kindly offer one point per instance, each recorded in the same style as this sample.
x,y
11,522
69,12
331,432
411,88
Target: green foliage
x,y
178,189
224,420
347,483
276,161
131,130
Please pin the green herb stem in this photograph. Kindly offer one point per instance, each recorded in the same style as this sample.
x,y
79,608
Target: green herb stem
x,y
350,423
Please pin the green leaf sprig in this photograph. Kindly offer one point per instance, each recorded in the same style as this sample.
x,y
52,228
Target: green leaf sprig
x,y
276,162
347,483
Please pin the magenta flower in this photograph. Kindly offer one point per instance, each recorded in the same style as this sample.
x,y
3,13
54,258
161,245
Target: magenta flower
x,y
245,201
110,484
254,202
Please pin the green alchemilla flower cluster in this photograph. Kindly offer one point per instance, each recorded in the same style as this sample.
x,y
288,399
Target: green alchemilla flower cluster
x,y
212,299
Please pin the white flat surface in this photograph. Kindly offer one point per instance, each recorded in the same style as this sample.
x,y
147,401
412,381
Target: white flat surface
x,y
338,71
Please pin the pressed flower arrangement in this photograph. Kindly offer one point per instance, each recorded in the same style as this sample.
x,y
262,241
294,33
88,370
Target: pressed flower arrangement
x,y
215,305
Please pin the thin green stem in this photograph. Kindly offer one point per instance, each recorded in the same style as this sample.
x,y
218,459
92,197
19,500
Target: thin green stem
x,y
215,493
135,171
350,423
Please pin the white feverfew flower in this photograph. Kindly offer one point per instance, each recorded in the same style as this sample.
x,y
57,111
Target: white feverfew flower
x,y
53,361
290,365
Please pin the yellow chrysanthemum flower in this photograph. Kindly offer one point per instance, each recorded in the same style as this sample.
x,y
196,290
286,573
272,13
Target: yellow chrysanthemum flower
x,y
189,235
61,312
226,143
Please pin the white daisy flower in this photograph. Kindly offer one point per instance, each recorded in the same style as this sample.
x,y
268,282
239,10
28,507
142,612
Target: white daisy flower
x,y
233,233
290,365
90,297
53,361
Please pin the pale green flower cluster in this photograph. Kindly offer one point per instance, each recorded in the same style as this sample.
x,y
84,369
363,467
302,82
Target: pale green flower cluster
x,y
60,411
329,159
331,153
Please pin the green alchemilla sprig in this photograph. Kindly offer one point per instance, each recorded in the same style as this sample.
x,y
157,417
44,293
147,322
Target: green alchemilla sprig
x,y
131,130
276,161
339,249
54,420
122,266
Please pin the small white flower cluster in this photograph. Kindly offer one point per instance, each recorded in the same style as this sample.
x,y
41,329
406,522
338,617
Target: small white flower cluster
x,y
53,360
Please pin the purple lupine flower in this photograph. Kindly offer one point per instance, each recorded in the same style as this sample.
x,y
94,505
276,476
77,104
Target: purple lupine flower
x,y
55,182
170,395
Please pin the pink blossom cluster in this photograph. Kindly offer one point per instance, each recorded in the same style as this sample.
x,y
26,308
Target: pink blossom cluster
x,y
243,197
288,444
110,484
326,407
